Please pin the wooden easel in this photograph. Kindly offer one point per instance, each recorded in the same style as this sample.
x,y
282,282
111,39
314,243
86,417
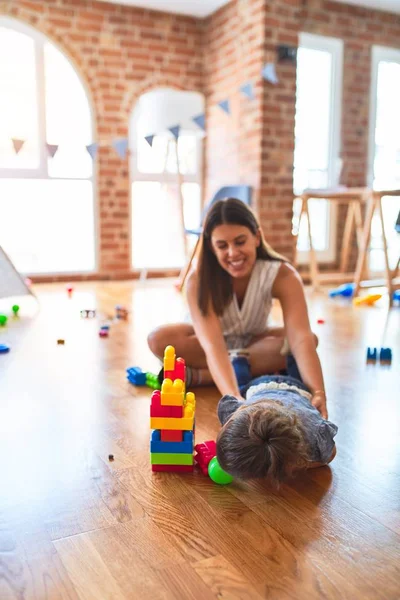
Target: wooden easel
x,y
354,198
392,283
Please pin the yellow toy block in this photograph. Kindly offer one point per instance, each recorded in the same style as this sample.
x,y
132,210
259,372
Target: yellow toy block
x,y
190,400
369,299
169,358
184,424
172,393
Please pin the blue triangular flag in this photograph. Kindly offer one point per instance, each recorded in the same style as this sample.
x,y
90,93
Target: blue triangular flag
x,y
247,90
92,149
224,104
121,147
52,149
269,73
149,139
200,120
175,131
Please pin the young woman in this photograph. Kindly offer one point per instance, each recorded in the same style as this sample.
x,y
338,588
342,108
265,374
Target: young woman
x,y
230,295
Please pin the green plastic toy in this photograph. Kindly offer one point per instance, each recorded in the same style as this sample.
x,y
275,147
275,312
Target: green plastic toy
x,y
3,320
152,381
15,309
217,474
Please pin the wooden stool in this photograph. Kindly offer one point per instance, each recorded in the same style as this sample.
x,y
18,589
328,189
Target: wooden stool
x,y
354,198
375,202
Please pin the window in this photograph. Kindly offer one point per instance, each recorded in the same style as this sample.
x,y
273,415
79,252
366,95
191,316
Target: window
x,y
317,126
384,150
156,193
46,204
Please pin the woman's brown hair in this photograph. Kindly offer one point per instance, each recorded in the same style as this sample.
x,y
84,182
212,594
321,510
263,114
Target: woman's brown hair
x,y
262,440
215,284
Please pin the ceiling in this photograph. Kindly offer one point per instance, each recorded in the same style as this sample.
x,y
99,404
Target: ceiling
x,y
202,8
388,5
195,8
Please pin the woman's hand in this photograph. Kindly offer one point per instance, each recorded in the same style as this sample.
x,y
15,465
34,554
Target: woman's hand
x,y
318,400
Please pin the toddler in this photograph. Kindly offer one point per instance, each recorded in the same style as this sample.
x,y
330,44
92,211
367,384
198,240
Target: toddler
x,y
275,431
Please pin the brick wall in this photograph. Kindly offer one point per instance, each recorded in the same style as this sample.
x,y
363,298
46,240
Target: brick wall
x,y
270,145
121,52
233,54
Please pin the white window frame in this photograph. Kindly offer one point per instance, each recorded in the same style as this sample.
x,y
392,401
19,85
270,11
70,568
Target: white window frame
x,y
335,47
165,177
41,172
379,53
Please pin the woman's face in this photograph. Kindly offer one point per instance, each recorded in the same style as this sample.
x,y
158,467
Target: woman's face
x,y
235,247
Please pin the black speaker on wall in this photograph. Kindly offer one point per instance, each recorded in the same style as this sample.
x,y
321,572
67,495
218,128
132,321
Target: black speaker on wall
x,y
287,53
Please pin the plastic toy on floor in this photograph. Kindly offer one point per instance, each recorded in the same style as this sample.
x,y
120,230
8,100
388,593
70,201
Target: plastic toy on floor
x,y
136,376
346,290
121,312
172,414
372,355
208,462
369,299
385,356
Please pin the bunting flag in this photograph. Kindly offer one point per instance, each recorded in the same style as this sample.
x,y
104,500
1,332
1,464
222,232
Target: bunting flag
x,y
200,120
175,131
247,90
92,149
52,149
121,147
17,145
269,73
149,139
225,106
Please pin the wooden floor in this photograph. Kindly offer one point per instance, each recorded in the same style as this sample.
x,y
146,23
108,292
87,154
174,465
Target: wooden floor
x,y
74,525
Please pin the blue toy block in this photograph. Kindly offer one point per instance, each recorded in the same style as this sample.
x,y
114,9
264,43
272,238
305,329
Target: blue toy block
x,y
396,295
372,354
159,447
385,355
136,376
4,349
346,290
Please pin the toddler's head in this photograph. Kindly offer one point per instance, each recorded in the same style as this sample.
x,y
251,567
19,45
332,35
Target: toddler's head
x,y
264,439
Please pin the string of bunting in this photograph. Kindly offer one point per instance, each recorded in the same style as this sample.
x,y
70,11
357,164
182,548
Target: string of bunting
x,y
121,145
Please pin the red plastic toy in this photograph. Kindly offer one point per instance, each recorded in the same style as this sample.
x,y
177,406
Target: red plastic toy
x,y
205,452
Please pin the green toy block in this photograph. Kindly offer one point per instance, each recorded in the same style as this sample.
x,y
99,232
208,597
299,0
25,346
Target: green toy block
x,y
171,459
152,381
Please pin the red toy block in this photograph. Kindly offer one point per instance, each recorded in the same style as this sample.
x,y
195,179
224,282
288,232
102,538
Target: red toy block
x,y
179,372
204,453
157,410
173,468
180,369
172,435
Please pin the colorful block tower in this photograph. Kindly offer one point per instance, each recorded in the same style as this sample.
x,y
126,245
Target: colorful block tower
x,y
172,419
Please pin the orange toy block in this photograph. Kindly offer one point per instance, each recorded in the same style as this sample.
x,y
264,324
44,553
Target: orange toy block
x,y
169,435
172,393
169,358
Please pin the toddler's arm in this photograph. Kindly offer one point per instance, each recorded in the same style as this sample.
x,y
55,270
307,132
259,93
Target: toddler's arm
x,y
314,465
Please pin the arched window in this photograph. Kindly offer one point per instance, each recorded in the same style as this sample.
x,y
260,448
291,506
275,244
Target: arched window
x,y
158,189
46,204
